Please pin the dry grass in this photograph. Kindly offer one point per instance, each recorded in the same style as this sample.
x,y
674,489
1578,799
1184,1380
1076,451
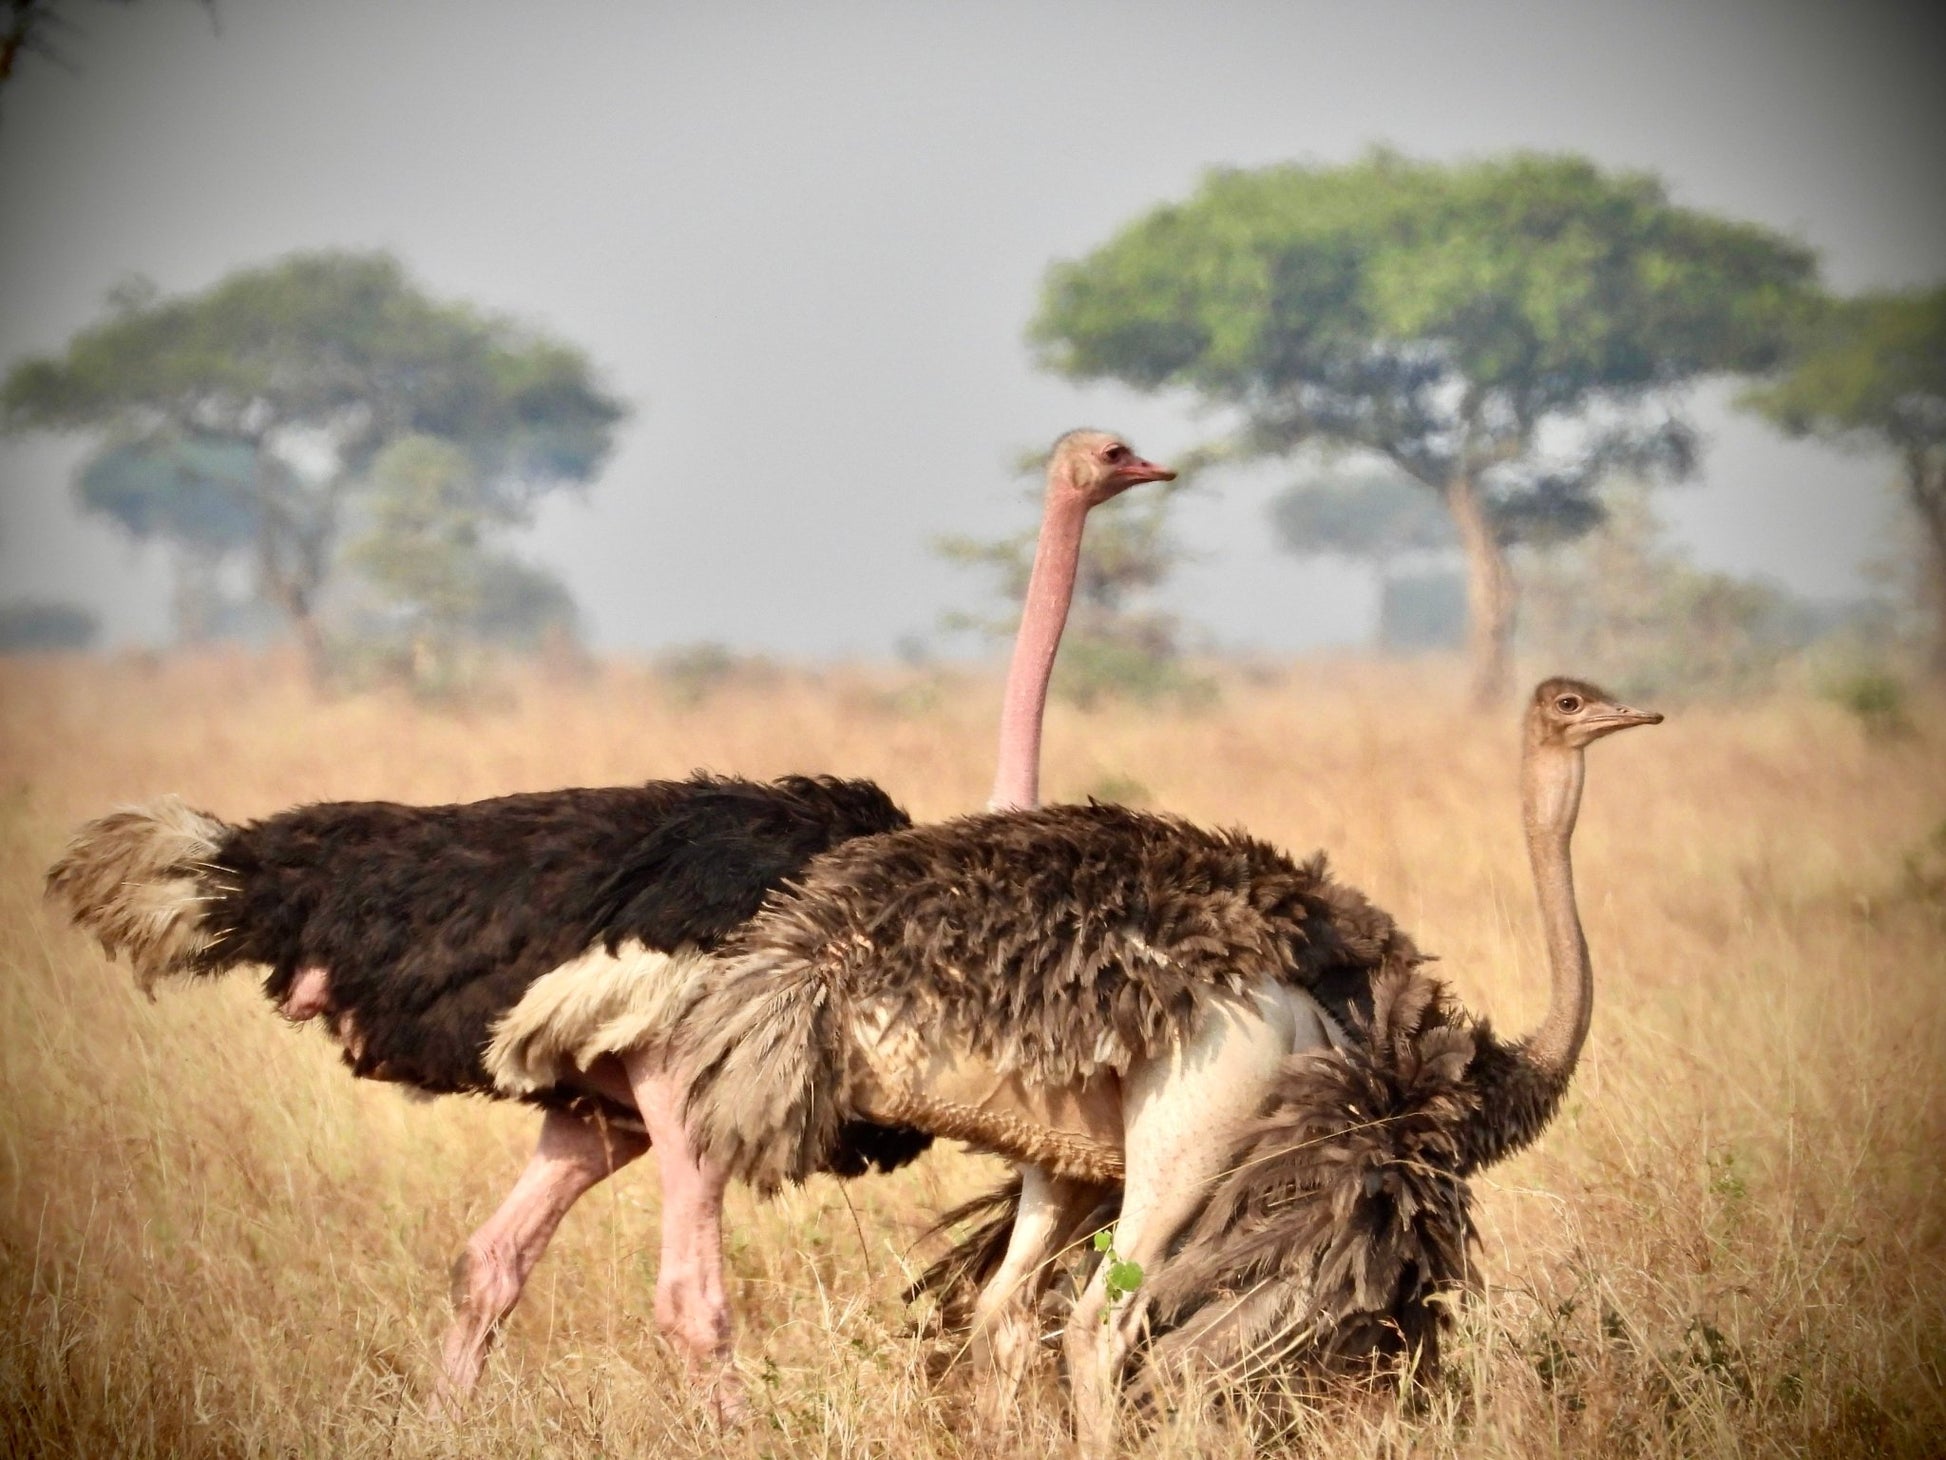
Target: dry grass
x,y
212,1242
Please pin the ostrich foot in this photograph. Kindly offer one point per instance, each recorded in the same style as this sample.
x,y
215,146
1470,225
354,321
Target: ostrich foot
x,y
724,1399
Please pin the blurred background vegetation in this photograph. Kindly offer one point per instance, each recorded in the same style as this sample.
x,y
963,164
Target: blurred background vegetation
x,y
1474,376
328,452
1478,373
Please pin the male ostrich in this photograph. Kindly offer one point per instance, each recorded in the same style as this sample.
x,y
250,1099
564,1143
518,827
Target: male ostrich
x,y
1100,994
532,946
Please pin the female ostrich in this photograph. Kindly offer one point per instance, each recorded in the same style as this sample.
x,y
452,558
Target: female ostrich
x,y
1246,1044
529,946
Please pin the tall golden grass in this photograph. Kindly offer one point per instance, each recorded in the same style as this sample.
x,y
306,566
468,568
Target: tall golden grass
x,y
213,1242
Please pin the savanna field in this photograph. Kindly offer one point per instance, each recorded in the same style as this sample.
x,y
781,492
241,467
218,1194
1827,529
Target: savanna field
x,y
1733,1242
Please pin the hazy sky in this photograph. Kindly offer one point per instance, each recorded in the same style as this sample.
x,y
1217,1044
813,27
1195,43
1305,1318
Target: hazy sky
x,y
803,240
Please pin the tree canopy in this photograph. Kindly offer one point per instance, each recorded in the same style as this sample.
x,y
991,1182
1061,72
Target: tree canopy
x,y
1507,333
195,495
44,27
310,366
1873,366
426,558
1871,371
1374,516
195,492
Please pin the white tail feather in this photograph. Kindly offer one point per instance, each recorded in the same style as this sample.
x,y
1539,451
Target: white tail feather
x,y
599,1003
136,879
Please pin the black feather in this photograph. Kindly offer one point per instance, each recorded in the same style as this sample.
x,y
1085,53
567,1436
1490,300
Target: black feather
x,y
432,921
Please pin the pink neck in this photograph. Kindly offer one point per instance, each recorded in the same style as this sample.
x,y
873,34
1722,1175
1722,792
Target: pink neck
x,y
1050,589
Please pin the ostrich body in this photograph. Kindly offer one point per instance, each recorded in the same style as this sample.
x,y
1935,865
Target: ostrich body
x,y
513,947
1099,993
533,947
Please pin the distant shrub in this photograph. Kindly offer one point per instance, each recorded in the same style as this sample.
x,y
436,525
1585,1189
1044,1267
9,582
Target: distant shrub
x,y
1119,790
691,673
1876,699
912,697
1628,609
33,626
430,590
1093,668
523,607
1422,611
1925,870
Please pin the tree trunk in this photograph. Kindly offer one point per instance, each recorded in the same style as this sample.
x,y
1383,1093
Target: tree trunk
x,y
1926,484
193,601
1489,593
291,558
290,587
317,659
294,599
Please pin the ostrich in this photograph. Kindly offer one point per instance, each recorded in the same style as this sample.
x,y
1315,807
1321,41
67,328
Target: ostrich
x,y
423,936
530,947
1248,1045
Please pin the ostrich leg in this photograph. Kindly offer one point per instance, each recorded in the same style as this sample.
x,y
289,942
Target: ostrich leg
x,y
1051,1209
1177,1107
692,1305
1050,1206
571,1156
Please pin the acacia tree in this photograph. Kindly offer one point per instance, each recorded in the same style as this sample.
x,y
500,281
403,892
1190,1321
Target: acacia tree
x,y
427,557
1507,334
1372,517
1872,371
313,365
39,27
192,495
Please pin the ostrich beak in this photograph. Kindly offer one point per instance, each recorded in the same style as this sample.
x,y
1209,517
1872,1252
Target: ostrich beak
x,y
1141,470
1621,717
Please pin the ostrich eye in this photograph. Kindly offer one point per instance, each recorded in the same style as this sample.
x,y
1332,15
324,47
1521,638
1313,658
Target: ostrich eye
x,y
1115,453
1568,704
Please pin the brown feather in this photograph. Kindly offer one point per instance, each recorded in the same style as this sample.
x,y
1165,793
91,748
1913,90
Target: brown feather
x,y
1054,943
1342,1231
1345,1223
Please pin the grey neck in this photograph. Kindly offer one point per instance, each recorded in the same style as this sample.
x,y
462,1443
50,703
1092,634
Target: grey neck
x,y
1551,779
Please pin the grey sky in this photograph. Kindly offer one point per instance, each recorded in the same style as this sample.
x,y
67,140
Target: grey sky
x,y
803,240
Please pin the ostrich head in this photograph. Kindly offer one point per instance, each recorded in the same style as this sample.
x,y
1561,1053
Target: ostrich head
x,y
1097,465
1568,714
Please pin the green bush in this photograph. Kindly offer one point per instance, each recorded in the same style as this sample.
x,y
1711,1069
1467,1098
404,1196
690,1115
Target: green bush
x,y
1094,668
1631,611
691,673
1877,699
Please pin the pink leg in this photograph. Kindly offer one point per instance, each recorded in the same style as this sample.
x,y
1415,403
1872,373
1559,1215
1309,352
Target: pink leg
x,y
692,1305
572,1155
309,992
